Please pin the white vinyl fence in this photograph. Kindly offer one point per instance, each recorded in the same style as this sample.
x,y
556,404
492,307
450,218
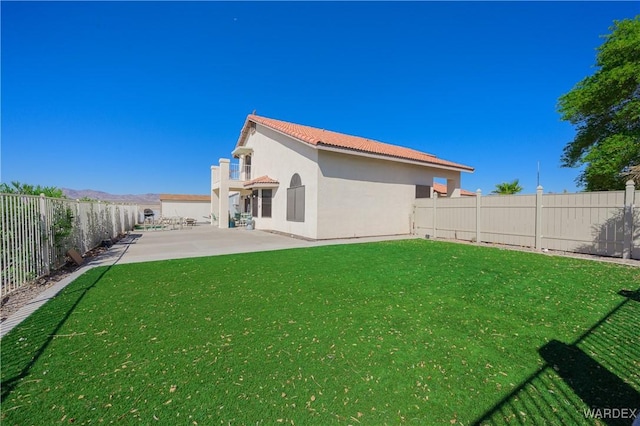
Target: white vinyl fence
x,y
36,233
603,223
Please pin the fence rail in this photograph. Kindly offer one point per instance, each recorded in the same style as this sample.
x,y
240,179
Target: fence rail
x,y
36,233
603,223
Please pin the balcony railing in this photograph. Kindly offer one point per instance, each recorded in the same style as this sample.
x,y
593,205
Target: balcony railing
x,y
239,173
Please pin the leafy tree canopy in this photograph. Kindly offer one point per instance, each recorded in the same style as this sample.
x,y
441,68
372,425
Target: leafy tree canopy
x,y
605,108
26,189
508,188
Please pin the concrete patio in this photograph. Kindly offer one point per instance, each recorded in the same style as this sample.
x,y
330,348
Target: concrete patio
x,y
206,240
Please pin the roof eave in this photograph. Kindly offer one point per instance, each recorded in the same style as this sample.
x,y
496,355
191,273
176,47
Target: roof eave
x,y
243,133
262,185
347,151
241,150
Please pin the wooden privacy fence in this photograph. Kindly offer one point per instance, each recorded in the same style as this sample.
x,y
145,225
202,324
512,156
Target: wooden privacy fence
x,y
36,233
603,223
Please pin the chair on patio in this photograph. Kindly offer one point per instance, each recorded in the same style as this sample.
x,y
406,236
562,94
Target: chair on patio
x,y
238,219
244,218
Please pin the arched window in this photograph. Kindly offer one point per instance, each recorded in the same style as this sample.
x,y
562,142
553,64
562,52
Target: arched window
x,y
295,181
295,199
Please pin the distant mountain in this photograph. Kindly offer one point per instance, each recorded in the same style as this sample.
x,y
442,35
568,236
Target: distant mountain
x,y
104,196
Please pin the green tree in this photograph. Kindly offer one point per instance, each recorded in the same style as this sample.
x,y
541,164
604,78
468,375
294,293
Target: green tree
x,y
26,189
62,216
508,188
605,108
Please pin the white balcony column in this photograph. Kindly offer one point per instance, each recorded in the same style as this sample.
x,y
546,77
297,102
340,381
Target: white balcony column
x,y
453,186
223,194
215,175
215,178
241,167
215,205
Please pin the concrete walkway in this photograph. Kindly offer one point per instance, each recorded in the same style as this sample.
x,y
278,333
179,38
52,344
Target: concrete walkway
x,y
198,241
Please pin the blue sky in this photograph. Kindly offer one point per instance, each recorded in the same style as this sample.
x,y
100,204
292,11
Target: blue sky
x,y
143,97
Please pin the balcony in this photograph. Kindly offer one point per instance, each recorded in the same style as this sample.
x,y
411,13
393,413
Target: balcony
x,y
239,173
232,176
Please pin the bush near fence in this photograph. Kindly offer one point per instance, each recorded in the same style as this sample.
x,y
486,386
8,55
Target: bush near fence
x,y
602,223
37,232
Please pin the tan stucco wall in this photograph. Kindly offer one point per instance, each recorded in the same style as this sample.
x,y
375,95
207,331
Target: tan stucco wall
x,y
194,209
365,196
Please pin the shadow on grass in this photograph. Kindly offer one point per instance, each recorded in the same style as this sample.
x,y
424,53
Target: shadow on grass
x,y
23,346
596,372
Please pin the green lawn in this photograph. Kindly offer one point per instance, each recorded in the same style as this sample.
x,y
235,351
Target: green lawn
x,y
411,331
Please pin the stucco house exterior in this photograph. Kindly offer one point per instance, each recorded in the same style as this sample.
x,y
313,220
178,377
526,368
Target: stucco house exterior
x,y
319,184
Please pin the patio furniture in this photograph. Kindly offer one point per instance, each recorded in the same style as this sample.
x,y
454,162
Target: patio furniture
x,y
244,218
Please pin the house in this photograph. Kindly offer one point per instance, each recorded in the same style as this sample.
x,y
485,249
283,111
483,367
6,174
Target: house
x,y
197,207
319,184
441,190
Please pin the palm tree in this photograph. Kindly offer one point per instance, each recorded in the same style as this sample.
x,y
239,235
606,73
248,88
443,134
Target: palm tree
x,y
634,173
507,188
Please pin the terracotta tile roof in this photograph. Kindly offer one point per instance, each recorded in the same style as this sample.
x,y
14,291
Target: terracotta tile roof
x,y
321,137
262,180
442,189
184,197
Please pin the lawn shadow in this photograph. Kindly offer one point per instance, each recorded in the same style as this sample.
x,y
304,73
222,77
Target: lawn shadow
x,y
633,295
590,380
597,371
24,345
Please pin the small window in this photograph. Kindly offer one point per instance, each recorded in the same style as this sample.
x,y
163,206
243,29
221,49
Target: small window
x,y
423,191
295,200
266,202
